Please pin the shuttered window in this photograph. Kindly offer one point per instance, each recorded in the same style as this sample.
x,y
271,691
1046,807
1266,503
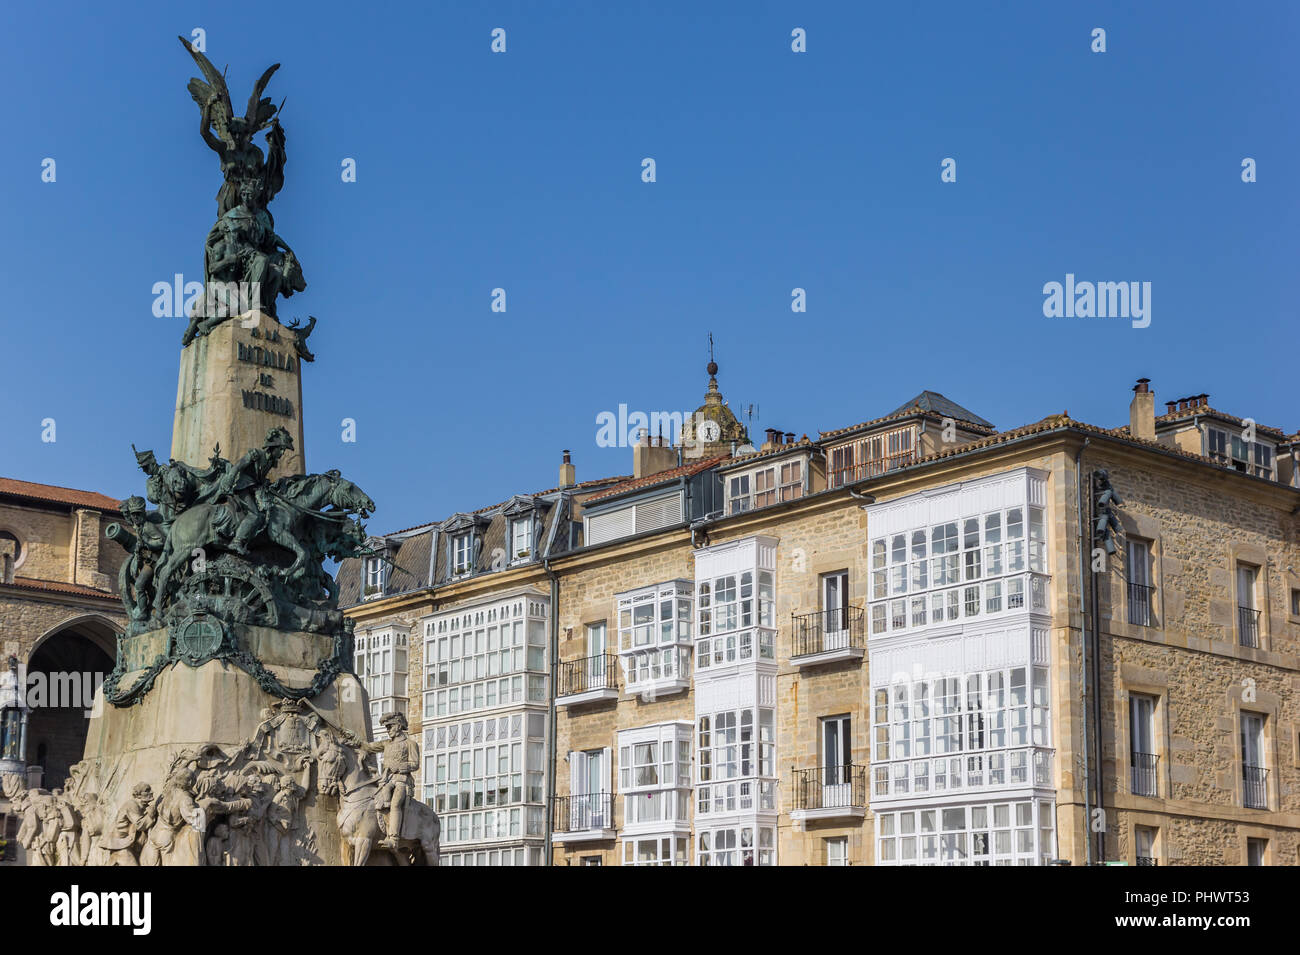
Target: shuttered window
x,y
635,519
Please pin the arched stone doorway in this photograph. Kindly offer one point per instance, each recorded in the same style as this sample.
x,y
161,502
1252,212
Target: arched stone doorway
x,y
65,668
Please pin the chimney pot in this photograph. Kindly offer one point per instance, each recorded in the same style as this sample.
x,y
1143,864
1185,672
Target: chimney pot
x,y
1171,407
789,437
1143,385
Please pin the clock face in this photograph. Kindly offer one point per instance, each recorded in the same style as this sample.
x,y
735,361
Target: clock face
x,y
710,430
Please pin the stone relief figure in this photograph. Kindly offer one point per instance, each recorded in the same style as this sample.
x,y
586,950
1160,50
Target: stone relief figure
x,y
245,808
331,763
135,817
176,836
282,829
218,845
29,830
248,824
401,758
67,826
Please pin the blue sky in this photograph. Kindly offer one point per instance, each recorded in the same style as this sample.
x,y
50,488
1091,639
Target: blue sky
x,y
775,170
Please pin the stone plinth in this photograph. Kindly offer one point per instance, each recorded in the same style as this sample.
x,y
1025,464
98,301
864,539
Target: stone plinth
x,y
218,703
236,383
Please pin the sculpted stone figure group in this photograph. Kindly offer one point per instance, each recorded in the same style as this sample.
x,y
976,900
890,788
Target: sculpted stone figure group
x,y
242,808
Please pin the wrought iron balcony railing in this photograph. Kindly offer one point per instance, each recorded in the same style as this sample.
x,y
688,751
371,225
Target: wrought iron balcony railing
x,y
1144,773
831,787
582,813
1254,788
1248,626
1139,604
825,630
598,672
1146,860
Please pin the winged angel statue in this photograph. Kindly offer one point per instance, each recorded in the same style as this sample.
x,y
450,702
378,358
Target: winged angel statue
x,y
246,265
241,158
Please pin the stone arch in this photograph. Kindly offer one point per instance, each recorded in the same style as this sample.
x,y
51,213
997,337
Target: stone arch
x,y
98,629
64,669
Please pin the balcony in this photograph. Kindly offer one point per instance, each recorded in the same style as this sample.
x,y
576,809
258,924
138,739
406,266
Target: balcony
x,y
584,818
969,772
1146,860
587,680
1254,787
656,672
1144,773
829,792
1139,604
828,636
852,473
1248,627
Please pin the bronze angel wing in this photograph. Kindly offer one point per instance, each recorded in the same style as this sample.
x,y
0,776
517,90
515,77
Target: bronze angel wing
x,y
213,94
260,110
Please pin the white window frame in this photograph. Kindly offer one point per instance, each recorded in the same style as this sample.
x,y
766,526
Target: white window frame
x,y
462,554
983,564
980,730
655,635
376,578
656,791
521,527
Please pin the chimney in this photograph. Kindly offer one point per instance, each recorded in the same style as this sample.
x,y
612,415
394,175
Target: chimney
x,y
651,455
1171,407
567,472
789,437
1142,411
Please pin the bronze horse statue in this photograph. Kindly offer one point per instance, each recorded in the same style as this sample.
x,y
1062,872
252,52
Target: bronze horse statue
x,y
294,509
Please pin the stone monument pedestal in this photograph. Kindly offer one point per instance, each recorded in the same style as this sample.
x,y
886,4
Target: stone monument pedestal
x,y
216,709
237,382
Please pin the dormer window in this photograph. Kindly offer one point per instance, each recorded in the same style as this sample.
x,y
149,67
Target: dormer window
x,y
1234,451
462,549
375,577
770,485
521,539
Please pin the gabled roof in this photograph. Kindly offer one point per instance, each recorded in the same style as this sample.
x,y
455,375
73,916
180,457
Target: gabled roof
x,y
654,480
58,495
936,403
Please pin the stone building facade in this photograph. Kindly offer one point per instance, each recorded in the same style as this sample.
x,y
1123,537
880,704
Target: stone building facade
x,y
905,642
59,619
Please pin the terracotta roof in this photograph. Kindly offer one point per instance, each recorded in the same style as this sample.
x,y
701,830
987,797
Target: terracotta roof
x,y
58,586
1056,423
1207,410
662,477
58,495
